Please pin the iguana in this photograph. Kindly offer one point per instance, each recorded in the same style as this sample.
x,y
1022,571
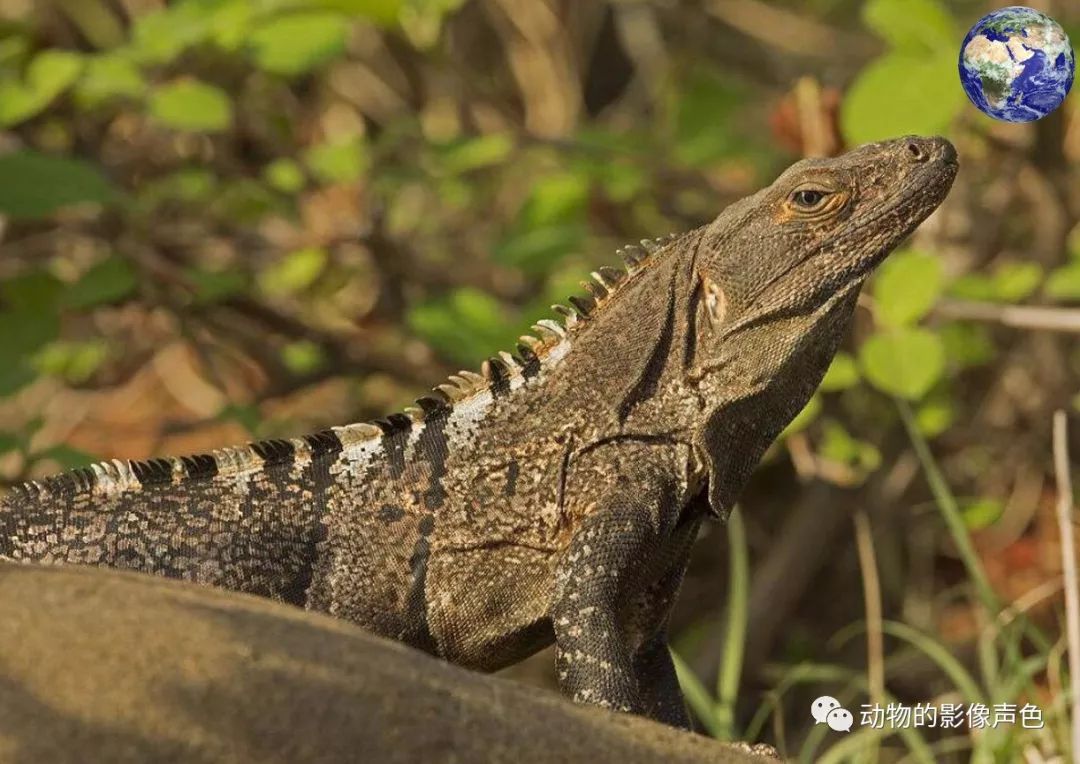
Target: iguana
x,y
556,494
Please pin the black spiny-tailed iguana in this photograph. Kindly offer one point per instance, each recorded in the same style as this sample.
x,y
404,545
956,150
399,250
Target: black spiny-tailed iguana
x,y
556,494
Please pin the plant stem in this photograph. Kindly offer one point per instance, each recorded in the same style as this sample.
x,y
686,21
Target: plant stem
x,y
1068,562
950,511
727,679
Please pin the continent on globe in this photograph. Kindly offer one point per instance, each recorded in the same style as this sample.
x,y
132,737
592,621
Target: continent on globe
x,y
1016,64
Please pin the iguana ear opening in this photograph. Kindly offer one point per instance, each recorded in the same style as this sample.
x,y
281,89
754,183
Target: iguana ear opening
x,y
716,303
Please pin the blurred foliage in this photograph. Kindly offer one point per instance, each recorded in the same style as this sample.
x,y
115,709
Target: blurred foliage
x,y
333,203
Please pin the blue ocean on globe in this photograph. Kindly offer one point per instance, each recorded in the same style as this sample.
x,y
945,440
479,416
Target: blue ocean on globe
x,y
1016,64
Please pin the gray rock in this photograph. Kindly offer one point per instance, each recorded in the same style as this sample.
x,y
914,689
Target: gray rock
x,y
99,666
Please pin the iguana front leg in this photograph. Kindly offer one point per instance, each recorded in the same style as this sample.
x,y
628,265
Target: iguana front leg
x,y
600,571
657,680
660,693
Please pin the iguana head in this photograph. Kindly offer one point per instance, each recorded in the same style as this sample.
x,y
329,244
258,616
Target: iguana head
x,y
777,276
823,225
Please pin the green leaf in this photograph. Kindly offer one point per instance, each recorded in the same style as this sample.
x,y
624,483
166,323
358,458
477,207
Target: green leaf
x,y
838,445
383,12
469,154
295,272
906,287
25,331
302,357
338,162
33,185
537,250
108,281
1010,281
934,415
974,286
215,286
49,75
191,106
706,118
247,416
1064,283
296,43
967,344
918,26
465,325
10,441
621,181
14,377
76,362
160,36
1016,280
550,225
555,199
110,76
842,374
981,513
32,291
904,362
902,93
1072,244
285,175
245,200
14,50
230,22
187,185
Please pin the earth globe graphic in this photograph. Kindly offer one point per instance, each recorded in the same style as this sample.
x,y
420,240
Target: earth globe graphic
x,y
1016,64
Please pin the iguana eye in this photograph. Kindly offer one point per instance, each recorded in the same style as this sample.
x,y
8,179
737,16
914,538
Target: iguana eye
x,y
808,198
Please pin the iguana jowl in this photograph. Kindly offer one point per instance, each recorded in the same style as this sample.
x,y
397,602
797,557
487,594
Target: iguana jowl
x,y
556,494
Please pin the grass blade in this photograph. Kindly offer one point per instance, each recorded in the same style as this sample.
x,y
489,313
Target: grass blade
x,y
950,511
696,696
727,679
939,654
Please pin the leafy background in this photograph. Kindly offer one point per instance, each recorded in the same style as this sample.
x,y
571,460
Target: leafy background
x,y
227,219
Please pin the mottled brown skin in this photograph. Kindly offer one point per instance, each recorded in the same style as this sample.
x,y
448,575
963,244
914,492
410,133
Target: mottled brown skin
x,y
555,496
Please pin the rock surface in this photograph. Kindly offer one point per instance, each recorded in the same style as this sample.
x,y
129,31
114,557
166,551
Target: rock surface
x,y
103,666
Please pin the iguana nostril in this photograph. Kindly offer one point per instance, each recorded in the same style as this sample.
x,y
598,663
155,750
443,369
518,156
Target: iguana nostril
x,y
917,152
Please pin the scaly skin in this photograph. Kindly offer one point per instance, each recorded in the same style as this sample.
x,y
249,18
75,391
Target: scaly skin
x,y
556,495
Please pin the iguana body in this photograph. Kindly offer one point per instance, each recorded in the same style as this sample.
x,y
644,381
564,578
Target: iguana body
x,y
555,495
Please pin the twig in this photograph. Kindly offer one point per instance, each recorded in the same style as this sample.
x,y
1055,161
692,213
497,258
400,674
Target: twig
x,y
1068,562
1017,316
815,131
785,30
1025,602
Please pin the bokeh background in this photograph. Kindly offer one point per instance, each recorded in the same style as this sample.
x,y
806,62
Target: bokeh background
x,y
230,219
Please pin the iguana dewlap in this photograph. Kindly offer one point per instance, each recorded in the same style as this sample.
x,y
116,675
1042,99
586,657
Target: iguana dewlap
x,y
555,495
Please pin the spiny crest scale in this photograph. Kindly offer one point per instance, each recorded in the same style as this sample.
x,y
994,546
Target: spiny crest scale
x,y
496,376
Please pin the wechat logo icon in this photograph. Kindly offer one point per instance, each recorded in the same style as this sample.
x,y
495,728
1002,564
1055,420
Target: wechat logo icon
x,y
827,710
